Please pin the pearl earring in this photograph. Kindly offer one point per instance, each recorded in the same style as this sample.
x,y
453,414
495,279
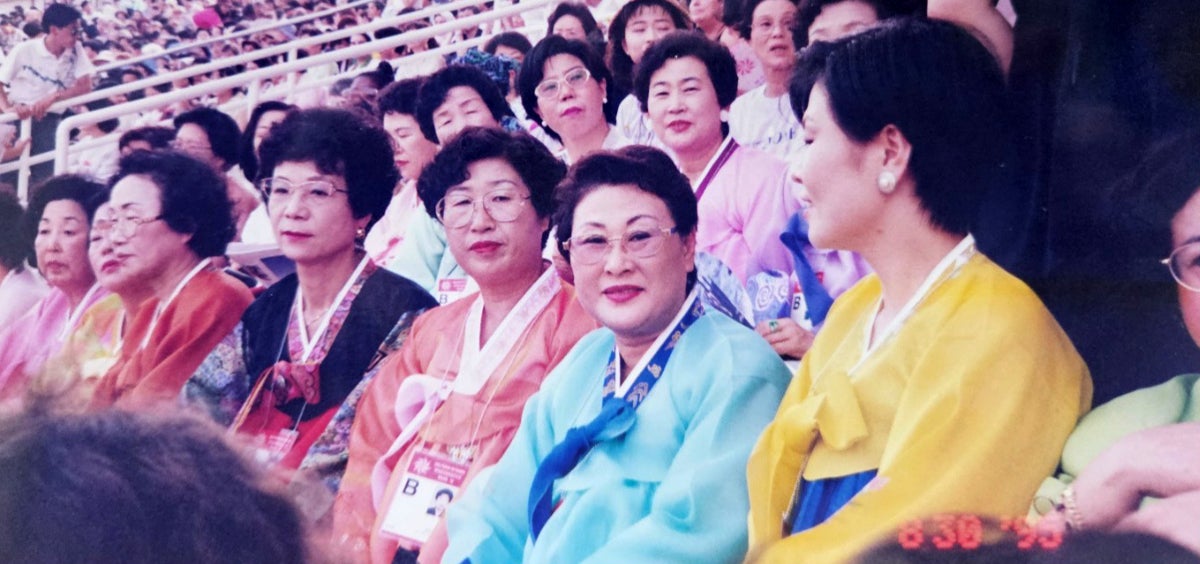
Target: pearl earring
x,y
724,116
886,182
361,233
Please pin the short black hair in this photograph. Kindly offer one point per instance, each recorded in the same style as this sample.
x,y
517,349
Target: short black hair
x,y
935,83
158,137
80,189
646,168
15,244
125,487
194,198
59,15
222,131
513,39
247,159
722,69
538,168
400,97
340,143
618,60
437,86
533,71
748,16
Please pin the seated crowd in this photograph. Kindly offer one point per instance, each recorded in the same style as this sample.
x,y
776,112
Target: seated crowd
x,y
616,295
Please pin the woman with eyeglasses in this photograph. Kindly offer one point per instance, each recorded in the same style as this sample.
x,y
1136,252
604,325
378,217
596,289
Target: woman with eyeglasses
x,y
567,90
634,449
940,383
95,344
57,220
762,118
171,219
451,400
1145,444
686,83
289,374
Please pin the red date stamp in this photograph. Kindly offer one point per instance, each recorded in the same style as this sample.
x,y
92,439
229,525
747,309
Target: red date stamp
x,y
967,532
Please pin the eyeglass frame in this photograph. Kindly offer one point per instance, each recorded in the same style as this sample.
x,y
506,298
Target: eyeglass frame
x,y
264,188
1169,262
440,209
560,82
611,243
116,225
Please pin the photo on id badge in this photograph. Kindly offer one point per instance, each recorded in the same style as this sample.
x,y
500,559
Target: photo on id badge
x,y
430,484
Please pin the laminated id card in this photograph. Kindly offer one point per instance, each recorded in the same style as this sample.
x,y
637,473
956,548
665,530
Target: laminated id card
x,y
427,487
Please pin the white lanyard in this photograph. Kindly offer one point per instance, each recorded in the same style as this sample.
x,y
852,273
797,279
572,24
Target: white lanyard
x,y
162,306
947,267
309,345
478,364
73,315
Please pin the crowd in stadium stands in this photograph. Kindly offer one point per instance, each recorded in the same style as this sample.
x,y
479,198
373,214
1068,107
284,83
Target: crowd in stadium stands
x,y
763,281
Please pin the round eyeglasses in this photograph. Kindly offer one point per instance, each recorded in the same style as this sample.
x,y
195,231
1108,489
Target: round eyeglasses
x,y
641,242
1184,264
456,209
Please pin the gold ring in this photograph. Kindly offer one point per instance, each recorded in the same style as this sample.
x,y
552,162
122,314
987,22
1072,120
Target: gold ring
x,y
773,325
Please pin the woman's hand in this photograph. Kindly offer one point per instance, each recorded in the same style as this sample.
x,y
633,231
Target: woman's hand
x,y
787,337
1174,519
1161,462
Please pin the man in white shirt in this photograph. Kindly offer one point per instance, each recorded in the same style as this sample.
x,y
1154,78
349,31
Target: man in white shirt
x,y
42,71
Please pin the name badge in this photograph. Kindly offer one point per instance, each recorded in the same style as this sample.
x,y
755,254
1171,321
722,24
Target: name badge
x,y
427,487
450,289
269,450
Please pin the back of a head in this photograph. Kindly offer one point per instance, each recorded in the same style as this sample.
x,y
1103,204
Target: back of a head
x,y
119,487
939,86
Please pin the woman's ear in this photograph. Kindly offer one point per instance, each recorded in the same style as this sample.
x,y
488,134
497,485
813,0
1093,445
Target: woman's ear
x,y
896,150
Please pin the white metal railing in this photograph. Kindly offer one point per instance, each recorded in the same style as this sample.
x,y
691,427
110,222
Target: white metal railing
x,y
252,77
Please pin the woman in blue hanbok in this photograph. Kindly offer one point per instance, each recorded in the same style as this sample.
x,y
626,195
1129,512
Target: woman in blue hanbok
x,y
634,450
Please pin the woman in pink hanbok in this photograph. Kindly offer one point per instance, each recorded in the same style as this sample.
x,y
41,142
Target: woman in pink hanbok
x,y
59,215
685,83
446,406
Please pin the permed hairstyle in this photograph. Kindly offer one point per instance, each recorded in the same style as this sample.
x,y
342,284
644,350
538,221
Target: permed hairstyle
x,y
646,168
247,159
618,60
533,71
538,168
935,83
722,69
124,487
340,143
194,198
222,131
433,94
